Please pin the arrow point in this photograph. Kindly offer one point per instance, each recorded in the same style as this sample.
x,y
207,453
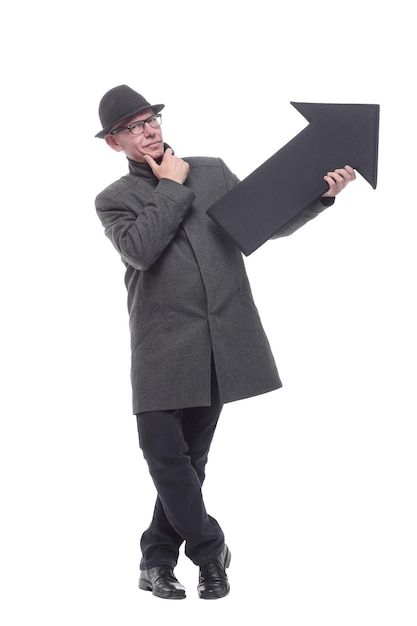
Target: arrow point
x,y
355,129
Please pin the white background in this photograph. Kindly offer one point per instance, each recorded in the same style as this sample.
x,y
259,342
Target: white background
x,y
314,485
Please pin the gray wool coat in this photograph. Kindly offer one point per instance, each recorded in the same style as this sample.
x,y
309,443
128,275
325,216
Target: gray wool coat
x,y
188,294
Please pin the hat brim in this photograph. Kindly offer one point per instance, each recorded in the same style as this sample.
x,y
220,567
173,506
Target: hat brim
x,y
156,108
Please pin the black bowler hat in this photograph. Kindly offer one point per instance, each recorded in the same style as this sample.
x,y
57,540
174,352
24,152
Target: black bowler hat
x,y
120,103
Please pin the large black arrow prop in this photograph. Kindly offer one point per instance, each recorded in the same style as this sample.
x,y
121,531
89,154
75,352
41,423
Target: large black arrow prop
x,y
277,191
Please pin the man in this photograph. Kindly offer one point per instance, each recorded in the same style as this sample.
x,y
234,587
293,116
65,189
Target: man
x,y
197,341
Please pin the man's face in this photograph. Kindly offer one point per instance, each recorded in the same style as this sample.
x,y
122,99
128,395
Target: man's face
x,y
136,146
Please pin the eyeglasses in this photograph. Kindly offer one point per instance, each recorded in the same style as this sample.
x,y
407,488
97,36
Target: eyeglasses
x,y
137,128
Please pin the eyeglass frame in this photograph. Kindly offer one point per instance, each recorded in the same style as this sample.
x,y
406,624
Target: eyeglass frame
x,y
140,122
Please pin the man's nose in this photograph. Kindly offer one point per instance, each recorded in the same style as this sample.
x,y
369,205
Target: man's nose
x,y
147,128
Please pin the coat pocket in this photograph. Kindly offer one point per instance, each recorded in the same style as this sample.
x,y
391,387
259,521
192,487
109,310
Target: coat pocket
x,y
158,315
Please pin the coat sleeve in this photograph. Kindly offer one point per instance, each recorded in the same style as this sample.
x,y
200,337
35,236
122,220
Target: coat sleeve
x,y
309,213
141,233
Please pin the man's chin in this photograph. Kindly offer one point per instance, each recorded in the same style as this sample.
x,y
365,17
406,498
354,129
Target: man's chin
x,y
156,151
156,154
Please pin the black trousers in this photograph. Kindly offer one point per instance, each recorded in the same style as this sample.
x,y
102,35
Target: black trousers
x,y
175,445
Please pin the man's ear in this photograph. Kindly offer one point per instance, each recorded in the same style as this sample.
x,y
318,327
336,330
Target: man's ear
x,y
112,142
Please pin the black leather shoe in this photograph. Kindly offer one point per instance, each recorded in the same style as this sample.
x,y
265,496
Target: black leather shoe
x,y
213,582
162,582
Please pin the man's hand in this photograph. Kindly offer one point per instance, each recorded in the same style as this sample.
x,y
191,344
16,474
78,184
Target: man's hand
x,y
338,180
171,167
